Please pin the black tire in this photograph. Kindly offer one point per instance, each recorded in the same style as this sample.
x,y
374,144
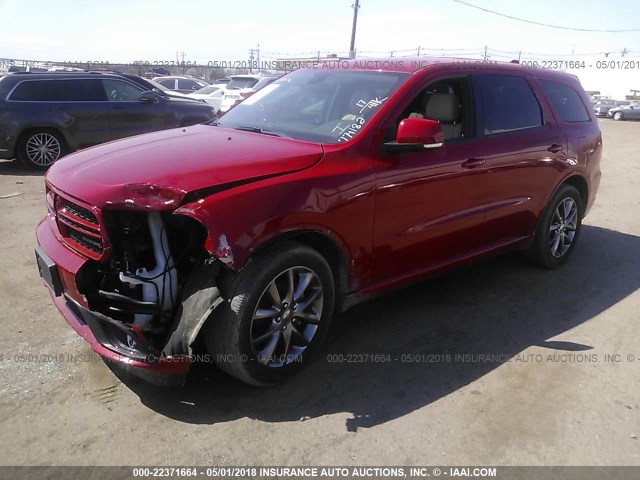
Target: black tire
x,y
52,144
564,238
229,332
618,116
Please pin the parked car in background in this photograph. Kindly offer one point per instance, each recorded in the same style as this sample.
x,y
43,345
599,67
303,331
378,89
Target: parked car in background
x,y
212,94
596,98
323,189
625,112
47,115
243,86
182,84
601,107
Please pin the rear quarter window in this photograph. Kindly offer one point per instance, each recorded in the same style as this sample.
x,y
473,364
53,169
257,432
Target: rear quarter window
x,y
508,103
565,101
66,90
32,91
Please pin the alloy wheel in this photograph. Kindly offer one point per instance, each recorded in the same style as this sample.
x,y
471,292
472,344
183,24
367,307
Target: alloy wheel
x,y
286,317
562,230
43,149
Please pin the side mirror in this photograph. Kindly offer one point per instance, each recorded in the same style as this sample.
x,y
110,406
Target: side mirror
x,y
416,134
148,97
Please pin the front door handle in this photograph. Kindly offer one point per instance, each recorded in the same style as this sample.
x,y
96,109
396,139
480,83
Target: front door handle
x,y
473,162
555,148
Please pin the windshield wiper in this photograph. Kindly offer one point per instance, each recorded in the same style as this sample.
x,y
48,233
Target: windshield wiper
x,y
257,130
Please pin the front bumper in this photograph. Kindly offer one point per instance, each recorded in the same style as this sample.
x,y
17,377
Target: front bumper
x,y
107,337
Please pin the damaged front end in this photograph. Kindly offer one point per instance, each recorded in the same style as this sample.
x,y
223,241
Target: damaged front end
x,y
145,288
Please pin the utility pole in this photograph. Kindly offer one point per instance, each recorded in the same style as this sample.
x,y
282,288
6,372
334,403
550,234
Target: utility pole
x,y
485,53
352,48
624,51
258,57
182,54
418,50
251,60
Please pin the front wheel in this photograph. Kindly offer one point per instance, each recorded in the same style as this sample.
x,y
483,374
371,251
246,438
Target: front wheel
x,y
277,313
39,149
558,228
618,116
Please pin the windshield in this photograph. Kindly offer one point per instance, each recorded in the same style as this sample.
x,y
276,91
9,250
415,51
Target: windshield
x,y
325,106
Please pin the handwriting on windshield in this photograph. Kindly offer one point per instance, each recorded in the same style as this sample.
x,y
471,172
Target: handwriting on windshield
x,y
368,104
349,130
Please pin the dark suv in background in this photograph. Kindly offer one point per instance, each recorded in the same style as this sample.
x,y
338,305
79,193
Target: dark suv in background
x,y
46,115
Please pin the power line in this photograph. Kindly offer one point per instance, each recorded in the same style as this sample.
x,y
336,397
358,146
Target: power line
x,y
545,24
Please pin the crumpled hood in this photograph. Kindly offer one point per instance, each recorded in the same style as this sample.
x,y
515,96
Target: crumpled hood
x,y
183,160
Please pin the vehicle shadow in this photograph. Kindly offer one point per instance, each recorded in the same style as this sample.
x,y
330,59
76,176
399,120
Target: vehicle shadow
x,y
500,306
14,167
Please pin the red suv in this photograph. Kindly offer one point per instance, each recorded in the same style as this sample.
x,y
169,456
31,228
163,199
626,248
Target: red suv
x,y
324,188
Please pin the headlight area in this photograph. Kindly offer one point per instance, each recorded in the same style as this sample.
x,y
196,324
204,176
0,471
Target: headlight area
x,y
149,299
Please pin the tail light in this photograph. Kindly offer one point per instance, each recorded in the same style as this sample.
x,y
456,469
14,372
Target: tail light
x,y
246,93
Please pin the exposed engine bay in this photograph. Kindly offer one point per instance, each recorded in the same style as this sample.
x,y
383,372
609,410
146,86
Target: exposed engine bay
x,y
156,288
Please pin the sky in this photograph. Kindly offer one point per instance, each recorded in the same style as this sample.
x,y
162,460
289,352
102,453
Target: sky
x,y
124,31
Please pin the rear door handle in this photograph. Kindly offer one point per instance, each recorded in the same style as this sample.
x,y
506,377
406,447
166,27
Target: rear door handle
x,y
555,148
473,162
117,107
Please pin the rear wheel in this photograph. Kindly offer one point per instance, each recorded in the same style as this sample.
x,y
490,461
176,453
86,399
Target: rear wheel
x,y
558,228
39,149
278,312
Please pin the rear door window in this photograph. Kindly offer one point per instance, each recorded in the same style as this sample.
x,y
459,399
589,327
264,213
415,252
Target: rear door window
x,y
78,90
507,103
566,101
184,84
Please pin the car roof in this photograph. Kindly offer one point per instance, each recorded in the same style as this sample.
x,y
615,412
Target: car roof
x,y
184,77
416,64
56,75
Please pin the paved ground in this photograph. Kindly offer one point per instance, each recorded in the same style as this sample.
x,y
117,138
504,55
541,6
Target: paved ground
x,y
559,401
